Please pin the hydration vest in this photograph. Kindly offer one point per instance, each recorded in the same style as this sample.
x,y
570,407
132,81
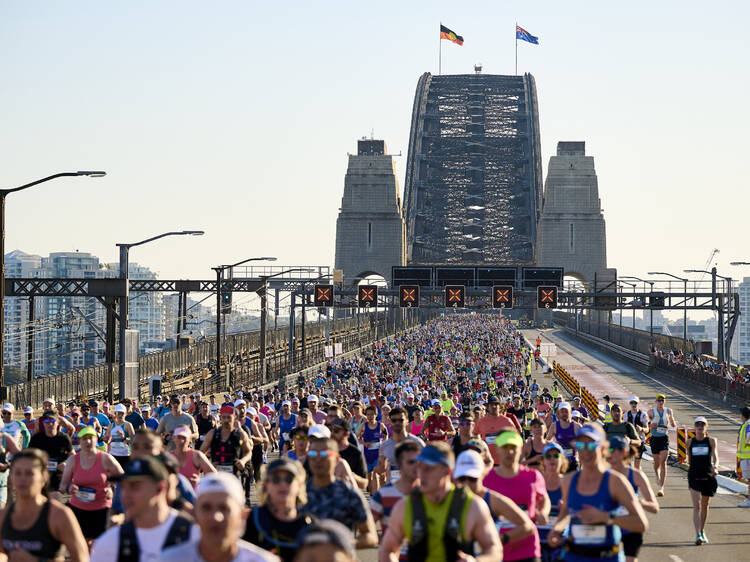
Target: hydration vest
x,y
418,549
129,550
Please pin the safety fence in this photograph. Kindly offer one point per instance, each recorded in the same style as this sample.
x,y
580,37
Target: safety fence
x,y
193,368
575,388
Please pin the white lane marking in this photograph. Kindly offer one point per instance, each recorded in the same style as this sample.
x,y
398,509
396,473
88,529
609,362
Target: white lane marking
x,y
675,558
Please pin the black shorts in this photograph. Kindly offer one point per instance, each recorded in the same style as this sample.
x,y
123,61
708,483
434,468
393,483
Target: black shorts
x,y
632,543
93,523
659,444
706,485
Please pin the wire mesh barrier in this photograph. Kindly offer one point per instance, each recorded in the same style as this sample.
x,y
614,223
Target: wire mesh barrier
x,y
193,368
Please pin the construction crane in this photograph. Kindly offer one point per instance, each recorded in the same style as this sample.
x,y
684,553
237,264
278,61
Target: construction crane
x,y
708,261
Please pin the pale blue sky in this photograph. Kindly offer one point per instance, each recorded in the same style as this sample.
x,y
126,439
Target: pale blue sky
x,y
236,117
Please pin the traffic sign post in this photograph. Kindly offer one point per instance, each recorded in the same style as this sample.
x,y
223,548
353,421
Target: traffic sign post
x,y
455,296
408,296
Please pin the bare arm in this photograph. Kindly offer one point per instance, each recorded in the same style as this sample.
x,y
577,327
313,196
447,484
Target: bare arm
x,y
501,505
67,475
367,536
64,527
483,531
394,535
207,441
646,495
714,455
201,462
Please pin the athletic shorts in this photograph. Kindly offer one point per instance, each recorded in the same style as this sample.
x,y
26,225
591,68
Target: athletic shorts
x,y
92,522
745,468
707,485
632,543
659,444
640,450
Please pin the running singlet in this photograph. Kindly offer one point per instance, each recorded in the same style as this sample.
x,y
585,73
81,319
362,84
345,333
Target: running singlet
x,y
118,445
37,540
285,428
586,542
564,436
661,424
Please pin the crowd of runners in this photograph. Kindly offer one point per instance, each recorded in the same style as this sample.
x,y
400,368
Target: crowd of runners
x,y
437,444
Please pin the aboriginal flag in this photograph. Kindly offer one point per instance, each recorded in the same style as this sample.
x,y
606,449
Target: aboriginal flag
x,y
446,33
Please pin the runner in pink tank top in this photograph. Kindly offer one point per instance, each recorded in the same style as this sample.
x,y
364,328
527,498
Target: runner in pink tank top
x,y
192,462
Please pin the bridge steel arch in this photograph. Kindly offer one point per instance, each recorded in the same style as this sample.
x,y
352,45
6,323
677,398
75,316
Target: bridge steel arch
x,y
474,173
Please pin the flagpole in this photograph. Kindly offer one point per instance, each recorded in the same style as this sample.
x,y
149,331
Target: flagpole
x,y
515,34
440,50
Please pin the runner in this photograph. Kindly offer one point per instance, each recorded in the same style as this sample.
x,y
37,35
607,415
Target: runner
x,y
589,498
639,419
533,447
229,448
438,426
465,432
34,527
191,462
423,517
621,450
563,431
118,436
621,428
58,447
85,478
555,465
371,433
660,419
285,423
14,428
703,457
524,486
492,424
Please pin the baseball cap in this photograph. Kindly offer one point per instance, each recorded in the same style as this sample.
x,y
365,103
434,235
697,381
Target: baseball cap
x,y
590,432
28,410
226,410
287,403
252,411
222,482
634,399
146,467
8,407
312,398
182,430
88,430
576,398
563,405
431,456
701,419
576,414
509,438
239,403
145,408
319,431
550,446
50,400
284,464
295,399
660,396
493,399
436,402
469,463
619,442
49,414
328,531
120,408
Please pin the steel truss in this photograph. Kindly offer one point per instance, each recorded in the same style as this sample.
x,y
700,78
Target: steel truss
x,y
474,177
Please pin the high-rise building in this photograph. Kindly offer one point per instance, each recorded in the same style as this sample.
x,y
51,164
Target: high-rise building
x,y
19,264
741,354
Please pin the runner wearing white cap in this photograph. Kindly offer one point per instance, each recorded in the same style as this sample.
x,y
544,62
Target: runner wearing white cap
x,y
639,419
703,458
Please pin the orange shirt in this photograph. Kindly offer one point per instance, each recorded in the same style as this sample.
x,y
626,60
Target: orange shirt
x,y
488,428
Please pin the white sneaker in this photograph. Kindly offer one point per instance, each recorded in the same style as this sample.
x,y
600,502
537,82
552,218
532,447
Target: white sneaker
x,y
746,503
660,493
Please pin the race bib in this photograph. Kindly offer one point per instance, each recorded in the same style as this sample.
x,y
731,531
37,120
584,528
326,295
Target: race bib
x,y
568,452
87,495
285,436
52,465
395,475
373,447
589,534
490,439
701,450
225,468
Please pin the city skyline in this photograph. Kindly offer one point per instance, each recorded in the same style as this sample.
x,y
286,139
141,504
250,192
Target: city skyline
x,y
190,114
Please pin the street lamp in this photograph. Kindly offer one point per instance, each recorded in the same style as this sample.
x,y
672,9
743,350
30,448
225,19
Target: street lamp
x,y
219,269
739,263
722,351
684,311
632,338
123,311
650,309
3,195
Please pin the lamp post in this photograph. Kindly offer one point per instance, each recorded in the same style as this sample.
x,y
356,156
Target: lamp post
x,y
264,314
219,281
721,348
3,194
124,255
684,312
650,309
632,334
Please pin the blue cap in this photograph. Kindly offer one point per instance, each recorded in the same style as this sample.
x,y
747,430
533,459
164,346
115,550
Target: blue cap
x,y
590,432
549,446
436,402
430,456
619,442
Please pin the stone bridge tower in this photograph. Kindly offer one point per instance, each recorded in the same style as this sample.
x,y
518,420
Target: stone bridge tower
x,y
571,229
370,230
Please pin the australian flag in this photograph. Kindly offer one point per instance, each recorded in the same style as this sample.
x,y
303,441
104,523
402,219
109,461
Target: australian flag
x,y
524,35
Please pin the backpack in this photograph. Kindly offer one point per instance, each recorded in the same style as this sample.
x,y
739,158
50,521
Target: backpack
x,y
128,549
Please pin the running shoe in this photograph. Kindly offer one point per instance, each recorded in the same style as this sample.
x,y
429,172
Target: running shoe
x,y
703,537
746,503
698,539
660,493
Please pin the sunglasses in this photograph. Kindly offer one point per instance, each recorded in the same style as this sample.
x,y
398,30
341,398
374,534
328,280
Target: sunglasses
x,y
278,479
466,479
552,455
49,421
300,437
586,446
660,399
700,424
465,423
324,454
613,449
397,420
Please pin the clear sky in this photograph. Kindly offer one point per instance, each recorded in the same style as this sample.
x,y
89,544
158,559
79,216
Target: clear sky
x,y
236,117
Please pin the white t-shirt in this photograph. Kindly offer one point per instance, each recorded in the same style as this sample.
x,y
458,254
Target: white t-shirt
x,y
188,552
150,541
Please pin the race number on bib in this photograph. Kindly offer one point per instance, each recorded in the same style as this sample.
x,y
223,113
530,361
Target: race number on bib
x,y
225,468
701,450
87,495
589,534
52,465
